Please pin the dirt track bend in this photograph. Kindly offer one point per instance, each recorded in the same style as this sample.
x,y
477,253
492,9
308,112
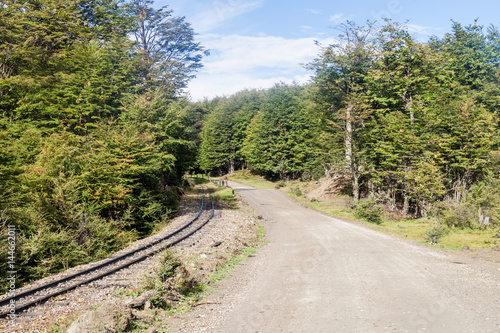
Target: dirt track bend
x,y
326,275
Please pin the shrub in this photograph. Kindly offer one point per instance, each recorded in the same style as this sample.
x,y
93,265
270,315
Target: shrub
x,y
456,216
368,210
435,233
169,263
280,184
296,191
171,282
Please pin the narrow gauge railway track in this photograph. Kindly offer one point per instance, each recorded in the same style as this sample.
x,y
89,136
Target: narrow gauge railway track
x,y
44,292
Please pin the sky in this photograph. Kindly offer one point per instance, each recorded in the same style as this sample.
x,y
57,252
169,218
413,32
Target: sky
x,y
257,43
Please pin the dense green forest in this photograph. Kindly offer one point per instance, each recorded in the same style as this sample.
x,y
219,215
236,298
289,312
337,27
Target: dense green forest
x,y
410,125
94,136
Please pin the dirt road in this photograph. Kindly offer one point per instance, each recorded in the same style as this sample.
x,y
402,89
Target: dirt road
x,y
326,275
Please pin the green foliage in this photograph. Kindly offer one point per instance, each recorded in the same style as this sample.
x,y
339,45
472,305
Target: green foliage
x,y
87,164
225,130
168,54
169,264
171,281
486,197
435,233
296,191
280,184
58,67
217,148
457,215
278,138
368,210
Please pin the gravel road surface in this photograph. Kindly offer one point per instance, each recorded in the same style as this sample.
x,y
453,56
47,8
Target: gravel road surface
x,y
321,274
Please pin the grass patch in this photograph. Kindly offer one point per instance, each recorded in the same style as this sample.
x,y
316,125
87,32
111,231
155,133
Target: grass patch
x,y
224,197
224,271
248,178
457,239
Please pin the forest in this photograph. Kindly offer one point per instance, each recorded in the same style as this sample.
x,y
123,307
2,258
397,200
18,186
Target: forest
x,y
409,125
97,134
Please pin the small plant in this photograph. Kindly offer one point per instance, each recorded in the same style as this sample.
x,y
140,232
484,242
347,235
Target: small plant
x,y
296,191
169,263
435,233
172,284
280,184
368,210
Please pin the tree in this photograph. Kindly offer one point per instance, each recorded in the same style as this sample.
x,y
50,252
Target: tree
x,y
217,147
341,72
471,54
168,54
404,70
154,113
278,140
60,66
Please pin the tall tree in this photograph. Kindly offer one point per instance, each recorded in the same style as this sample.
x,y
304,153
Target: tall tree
x,y
278,139
341,73
169,55
404,70
217,148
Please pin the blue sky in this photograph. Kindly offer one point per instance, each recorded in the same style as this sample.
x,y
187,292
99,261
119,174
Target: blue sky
x,y
256,43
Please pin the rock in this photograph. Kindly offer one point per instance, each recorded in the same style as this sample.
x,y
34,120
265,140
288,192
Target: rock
x,y
139,302
497,235
109,317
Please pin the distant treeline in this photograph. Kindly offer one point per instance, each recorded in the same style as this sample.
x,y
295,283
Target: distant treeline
x,y
412,125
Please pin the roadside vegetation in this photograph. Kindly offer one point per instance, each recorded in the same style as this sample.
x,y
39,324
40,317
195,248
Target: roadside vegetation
x,y
95,136
430,230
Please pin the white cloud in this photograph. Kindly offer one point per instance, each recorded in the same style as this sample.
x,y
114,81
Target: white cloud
x,y
211,15
338,18
239,62
423,30
228,84
313,11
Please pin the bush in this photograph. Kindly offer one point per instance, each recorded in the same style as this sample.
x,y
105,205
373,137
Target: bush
x,y
296,191
436,233
486,198
171,282
368,210
280,184
456,216
169,263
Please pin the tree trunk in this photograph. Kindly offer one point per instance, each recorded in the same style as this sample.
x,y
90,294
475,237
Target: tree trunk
x,y
355,186
423,208
371,186
406,205
349,128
